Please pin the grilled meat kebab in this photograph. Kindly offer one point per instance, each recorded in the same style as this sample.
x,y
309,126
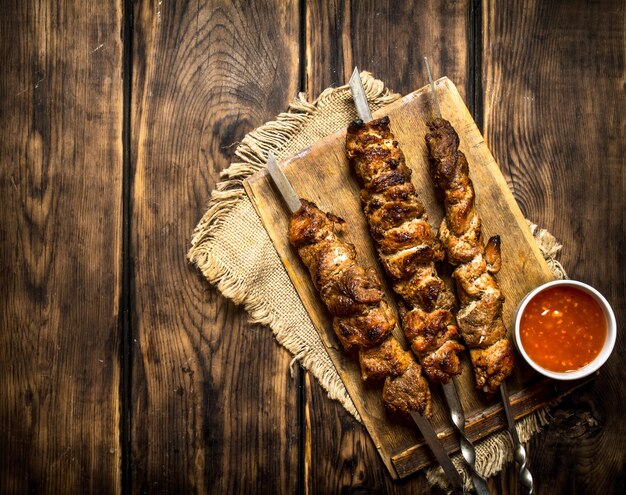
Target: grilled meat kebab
x,y
480,313
362,319
406,245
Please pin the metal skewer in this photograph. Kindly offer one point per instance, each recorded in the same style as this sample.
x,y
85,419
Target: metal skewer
x,y
450,392
432,88
429,434
359,97
282,183
467,447
363,110
526,479
520,452
293,203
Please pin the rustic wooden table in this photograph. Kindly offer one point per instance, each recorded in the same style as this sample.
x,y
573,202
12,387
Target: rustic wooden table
x,y
121,369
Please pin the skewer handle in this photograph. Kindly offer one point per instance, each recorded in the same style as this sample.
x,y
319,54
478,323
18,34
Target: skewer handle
x,y
526,479
467,448
439,452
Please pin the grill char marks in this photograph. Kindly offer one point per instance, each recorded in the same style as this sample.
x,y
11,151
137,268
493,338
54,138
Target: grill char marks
x,y
406,245
480,314
362,319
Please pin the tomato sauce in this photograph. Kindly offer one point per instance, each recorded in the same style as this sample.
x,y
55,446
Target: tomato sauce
x,y
563,329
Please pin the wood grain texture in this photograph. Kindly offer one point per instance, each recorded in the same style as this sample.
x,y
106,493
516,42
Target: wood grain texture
x,y
60,247
554,117
214,408
388,39
322,174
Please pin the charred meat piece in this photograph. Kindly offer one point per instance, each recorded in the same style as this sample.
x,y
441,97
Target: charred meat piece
x,y
391,208
403,265
387,359
406,245
407,392
362,319
464,247
428,331
350,290
443,361
492,365
492,254
365,330
434,337
480,315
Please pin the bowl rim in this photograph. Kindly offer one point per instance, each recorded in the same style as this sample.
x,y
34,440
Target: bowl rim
x,y
604,353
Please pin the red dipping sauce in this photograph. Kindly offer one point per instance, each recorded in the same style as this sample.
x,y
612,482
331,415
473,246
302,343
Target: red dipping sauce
x,y
563,329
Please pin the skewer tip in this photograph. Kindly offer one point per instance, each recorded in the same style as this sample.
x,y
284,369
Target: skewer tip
x,y
355,74
359,96
282,183
432,87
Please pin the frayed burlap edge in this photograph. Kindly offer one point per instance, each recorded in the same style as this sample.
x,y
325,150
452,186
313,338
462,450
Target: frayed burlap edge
x,y
494,451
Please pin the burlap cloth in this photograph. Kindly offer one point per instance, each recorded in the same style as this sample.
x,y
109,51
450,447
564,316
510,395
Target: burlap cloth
x,y
232,249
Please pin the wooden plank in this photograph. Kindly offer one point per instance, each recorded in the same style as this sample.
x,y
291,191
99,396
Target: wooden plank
x,y
60,247
388,39
214,408
321,174
554,118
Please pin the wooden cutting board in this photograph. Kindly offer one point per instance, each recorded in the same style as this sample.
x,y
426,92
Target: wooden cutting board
x,y
322,174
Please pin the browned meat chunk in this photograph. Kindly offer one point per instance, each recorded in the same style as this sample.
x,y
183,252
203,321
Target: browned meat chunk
x,y
481,321
492,254
310,225
386,359
392,207
492,365
450,173
351,291
462,248
429,331
367,330
410,234
407,392
443,362
404,264
426,290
